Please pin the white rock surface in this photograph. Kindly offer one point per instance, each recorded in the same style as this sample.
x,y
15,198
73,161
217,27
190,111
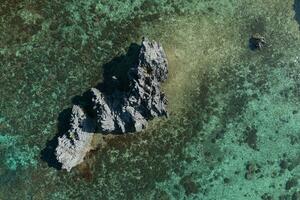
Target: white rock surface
x,y
73,146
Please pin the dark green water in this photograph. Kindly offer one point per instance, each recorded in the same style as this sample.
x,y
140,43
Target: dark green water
x,y
234,126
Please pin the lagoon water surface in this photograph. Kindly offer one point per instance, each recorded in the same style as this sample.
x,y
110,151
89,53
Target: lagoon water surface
x,y
234,127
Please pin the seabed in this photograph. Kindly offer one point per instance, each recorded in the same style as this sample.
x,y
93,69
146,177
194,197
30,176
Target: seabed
x,y
234,127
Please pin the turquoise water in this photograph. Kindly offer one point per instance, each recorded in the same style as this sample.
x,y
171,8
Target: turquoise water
x,y
234,126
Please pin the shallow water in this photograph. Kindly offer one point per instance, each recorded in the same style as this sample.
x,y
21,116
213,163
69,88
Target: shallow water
x,y
234,126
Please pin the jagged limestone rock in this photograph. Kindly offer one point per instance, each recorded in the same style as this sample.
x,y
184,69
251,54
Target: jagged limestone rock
x,y
103,109
73,146
153,57
119,111
129,111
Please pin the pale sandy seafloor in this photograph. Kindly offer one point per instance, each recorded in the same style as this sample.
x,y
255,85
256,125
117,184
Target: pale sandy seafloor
x,y
234,126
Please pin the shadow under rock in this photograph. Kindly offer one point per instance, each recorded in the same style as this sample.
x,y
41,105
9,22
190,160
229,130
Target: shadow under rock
x,y
114,78
297,10
48,153
115,72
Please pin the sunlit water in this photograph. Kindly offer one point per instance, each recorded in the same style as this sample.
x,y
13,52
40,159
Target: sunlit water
x,y
234,126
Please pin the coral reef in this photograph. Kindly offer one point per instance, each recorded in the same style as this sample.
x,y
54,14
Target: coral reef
x,y
233,126
17,156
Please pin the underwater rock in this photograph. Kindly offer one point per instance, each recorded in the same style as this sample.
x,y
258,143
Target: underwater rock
x,y
252,169
257,41
129,111
73,146
119,111
251,137
266,196
293,182
296,196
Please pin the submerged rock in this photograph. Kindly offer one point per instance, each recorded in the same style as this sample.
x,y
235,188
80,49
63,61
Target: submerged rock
x,y
73,146
119,111
257,41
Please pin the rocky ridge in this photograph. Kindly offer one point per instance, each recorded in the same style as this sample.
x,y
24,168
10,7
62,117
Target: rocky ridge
x,y
120,111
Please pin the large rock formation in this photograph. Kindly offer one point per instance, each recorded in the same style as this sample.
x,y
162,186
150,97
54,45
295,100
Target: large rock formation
x,y
119,111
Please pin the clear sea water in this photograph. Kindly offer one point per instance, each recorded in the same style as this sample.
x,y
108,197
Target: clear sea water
x,y
234,126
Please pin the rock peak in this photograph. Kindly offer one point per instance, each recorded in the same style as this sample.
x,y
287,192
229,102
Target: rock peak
x,y
119,111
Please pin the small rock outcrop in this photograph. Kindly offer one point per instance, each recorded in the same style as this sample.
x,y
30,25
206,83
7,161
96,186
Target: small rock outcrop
x,y
73,146
119,111
257,41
